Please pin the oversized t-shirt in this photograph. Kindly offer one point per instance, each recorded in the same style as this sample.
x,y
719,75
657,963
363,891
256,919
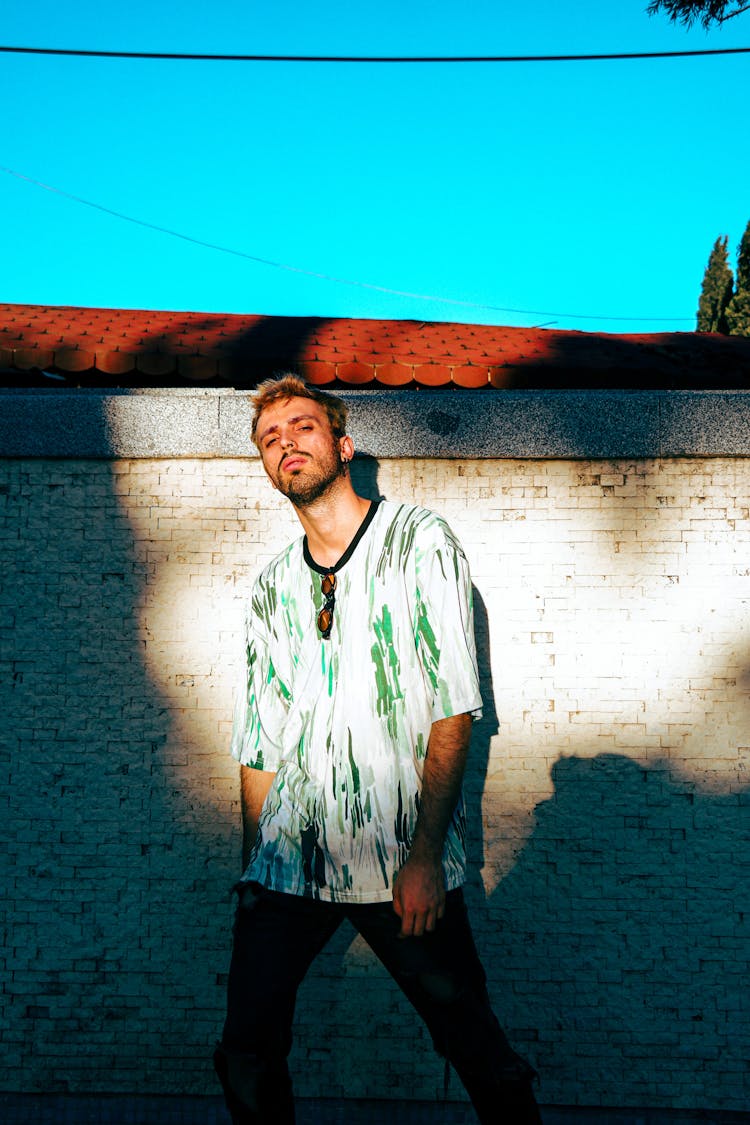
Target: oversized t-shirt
x,y
344,722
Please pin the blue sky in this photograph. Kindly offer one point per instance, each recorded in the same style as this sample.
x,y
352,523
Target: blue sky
x,y
575,195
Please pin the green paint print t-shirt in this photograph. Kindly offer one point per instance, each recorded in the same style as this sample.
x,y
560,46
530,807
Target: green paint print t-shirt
x,y
344,722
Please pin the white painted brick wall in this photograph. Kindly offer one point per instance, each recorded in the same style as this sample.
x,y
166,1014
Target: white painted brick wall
x,y
608,787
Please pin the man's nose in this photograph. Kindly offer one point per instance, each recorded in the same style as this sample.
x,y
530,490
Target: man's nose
x,y
287,440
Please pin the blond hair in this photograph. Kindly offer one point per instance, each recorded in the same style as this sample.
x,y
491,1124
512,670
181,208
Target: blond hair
x,y
286,386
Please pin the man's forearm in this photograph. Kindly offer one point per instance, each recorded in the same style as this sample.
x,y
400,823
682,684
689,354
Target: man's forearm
x,y
419,891
254,787
444,767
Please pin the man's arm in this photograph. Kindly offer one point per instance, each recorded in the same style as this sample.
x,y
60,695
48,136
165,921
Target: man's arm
x,y
254,786
419,891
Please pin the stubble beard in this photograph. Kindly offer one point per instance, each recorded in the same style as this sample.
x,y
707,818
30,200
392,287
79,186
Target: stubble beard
x,y
305,488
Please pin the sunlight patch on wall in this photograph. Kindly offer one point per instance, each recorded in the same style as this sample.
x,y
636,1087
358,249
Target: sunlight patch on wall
x,y
202,534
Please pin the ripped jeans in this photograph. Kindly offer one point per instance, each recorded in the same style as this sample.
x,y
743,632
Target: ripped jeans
x,y
276,938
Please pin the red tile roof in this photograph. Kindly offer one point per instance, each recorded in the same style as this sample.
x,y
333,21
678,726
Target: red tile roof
x,y
127,347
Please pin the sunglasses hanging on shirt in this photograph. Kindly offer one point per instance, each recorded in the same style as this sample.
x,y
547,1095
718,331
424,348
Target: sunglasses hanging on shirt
x,y
325,617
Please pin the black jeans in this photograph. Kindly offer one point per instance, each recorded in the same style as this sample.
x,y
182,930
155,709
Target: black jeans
x,y
276,938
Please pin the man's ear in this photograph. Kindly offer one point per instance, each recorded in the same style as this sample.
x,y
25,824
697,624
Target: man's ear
x,y
346,448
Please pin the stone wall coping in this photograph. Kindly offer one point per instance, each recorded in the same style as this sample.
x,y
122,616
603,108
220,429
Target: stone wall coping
x,y
450,424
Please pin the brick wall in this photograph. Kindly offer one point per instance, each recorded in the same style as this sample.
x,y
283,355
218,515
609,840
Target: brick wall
x,y
607,791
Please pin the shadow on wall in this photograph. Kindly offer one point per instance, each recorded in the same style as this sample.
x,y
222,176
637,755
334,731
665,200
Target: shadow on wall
x,y
364,476
629,906
98,854
482,734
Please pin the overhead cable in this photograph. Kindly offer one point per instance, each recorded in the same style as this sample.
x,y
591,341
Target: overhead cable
x,y
179,56
329,277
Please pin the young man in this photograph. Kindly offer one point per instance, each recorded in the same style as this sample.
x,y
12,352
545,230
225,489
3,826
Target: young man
x,y
352,731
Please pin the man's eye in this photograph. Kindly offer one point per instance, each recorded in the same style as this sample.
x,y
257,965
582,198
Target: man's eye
x,y
269,442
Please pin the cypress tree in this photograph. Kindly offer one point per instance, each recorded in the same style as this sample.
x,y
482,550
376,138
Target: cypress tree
x,y
738,309
716,291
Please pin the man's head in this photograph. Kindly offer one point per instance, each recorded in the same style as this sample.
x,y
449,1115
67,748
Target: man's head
x,y
291,386
300,434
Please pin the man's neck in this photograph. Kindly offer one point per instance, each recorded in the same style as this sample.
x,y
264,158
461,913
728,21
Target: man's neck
x,y
331,522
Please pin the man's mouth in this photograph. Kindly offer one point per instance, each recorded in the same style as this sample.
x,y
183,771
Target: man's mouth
x,y
293,461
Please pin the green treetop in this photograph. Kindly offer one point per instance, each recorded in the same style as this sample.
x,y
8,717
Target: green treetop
x,y
706,12
738,309
716,291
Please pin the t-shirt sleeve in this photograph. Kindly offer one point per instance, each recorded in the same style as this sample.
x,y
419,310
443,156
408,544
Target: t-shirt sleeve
x,y
444,623
262,701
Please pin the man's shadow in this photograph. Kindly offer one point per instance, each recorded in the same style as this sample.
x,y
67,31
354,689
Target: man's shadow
x,y
364,476
622,924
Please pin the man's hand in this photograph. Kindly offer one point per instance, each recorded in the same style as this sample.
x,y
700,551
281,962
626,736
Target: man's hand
x,y
419,895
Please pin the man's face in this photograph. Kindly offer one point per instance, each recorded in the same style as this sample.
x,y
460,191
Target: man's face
x,y
298,449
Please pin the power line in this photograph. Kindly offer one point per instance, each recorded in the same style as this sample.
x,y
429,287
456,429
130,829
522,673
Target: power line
x,y
329,277
192,57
